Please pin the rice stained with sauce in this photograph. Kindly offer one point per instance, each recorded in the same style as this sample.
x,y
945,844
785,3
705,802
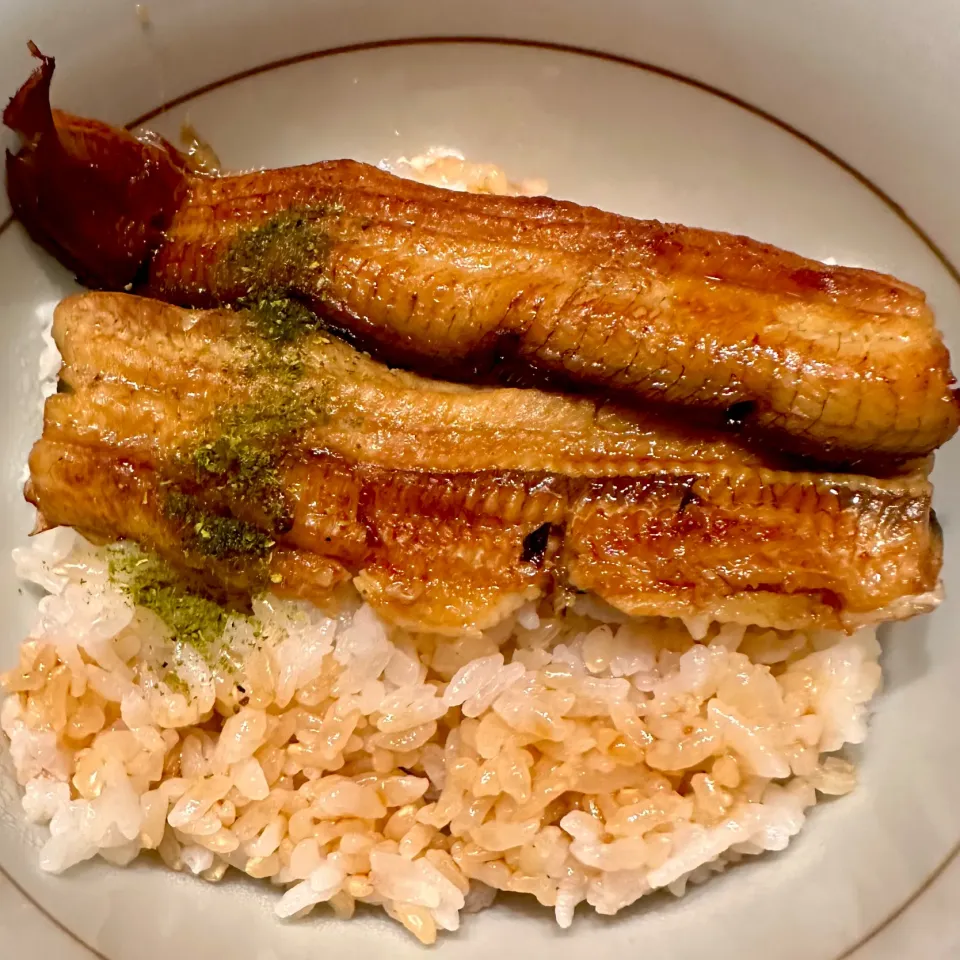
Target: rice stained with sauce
x,y
345,761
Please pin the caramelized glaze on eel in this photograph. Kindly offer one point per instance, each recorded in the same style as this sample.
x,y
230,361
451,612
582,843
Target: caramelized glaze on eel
x,y
300,463
841,364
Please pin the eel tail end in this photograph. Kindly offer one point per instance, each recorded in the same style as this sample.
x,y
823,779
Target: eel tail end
x,y
94,196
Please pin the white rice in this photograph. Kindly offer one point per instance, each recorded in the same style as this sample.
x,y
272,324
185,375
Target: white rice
x,y
568,758
448,168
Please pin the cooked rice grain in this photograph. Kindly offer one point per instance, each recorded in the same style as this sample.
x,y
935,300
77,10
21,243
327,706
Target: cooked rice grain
x,y
447,168
563,757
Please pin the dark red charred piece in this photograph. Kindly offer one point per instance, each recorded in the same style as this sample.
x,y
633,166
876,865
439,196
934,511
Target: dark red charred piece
x,y
97,200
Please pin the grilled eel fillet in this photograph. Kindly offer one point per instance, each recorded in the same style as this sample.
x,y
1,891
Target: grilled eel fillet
x,y
841,364
302,463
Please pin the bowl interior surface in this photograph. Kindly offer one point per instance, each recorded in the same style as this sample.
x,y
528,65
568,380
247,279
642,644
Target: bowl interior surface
x,y
694,158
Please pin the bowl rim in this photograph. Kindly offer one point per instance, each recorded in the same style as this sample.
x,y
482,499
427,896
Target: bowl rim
x,y
951,269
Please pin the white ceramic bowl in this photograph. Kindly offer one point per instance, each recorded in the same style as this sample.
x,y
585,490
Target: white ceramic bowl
x,y
825,127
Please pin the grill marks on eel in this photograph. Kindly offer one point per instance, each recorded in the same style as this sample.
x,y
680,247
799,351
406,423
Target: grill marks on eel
x,y
448,505
841,364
